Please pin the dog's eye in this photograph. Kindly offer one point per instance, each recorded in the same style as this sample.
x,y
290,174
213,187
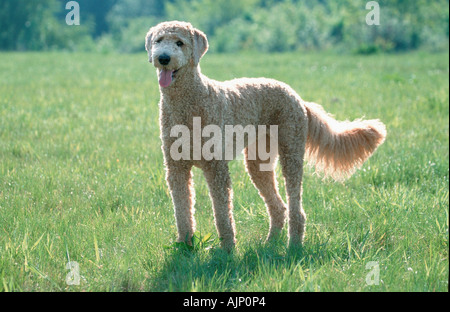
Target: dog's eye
x,y
180,43
159,40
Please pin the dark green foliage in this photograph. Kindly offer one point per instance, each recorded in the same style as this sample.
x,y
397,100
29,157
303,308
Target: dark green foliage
x,y
231,25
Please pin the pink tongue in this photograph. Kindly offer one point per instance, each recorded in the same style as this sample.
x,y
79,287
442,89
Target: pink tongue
x,y
165,78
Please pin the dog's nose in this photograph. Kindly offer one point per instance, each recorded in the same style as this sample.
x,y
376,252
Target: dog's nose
x,y
164,59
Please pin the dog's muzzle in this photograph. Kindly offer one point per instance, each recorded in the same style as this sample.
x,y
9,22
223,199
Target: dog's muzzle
x,y
164,59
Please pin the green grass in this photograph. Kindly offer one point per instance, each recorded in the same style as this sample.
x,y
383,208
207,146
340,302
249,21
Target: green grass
x,y
82,179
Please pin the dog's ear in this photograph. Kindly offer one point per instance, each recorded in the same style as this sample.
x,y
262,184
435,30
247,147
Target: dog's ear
x,y
148,44
200,45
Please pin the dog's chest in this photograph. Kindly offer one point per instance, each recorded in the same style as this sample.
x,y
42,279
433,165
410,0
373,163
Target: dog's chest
x,y
171,117
186,112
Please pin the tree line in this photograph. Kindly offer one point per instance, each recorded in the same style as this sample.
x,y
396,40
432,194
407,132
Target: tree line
x,y
231,25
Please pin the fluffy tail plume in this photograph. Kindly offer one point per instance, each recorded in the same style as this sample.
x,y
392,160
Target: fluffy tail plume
x,y
338,148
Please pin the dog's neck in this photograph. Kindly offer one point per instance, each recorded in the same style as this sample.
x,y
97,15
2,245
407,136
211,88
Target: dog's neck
x,y
189,83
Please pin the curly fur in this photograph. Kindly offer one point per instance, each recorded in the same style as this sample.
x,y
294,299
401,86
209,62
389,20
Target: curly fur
x,y
335,147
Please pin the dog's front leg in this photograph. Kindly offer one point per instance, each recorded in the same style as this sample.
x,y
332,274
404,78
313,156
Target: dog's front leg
x,y
180,183
219,183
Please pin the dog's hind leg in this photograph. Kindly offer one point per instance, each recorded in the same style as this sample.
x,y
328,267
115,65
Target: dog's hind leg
x,y
291,150
219,183
266,183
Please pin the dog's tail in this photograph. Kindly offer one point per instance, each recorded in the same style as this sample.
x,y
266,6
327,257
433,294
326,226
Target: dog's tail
x,y
338,148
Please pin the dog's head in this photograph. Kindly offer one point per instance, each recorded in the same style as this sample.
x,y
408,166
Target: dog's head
x,y
173,47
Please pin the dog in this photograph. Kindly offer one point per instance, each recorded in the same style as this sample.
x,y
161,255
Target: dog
x,y
304,129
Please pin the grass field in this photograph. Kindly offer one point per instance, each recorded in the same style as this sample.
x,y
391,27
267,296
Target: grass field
x,y
82,179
